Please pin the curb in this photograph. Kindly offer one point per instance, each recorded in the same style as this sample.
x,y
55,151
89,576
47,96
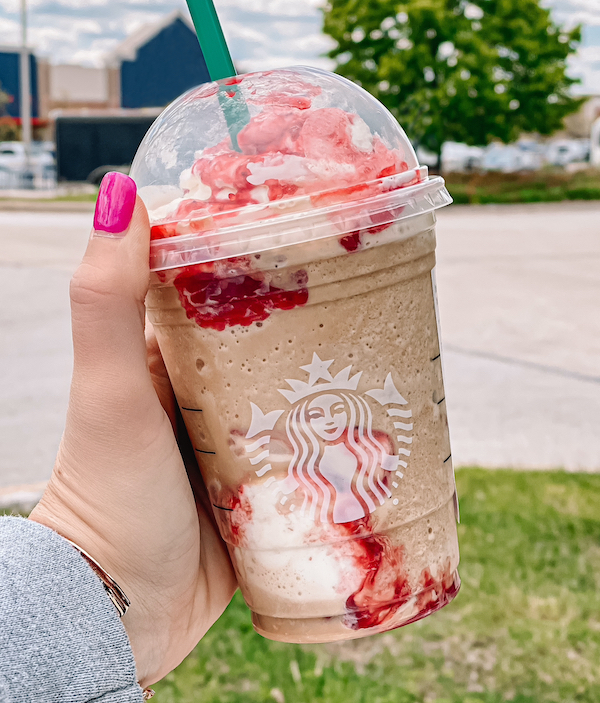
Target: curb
x,y
45,206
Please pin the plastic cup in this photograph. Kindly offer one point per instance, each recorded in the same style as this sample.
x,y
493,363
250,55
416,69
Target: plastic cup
x,y
294,303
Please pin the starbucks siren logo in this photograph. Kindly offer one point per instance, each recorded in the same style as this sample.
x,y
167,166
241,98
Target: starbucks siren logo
x,y
339,467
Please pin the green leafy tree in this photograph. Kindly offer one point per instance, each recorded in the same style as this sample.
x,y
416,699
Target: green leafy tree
x,y
9,130
4,100
453,70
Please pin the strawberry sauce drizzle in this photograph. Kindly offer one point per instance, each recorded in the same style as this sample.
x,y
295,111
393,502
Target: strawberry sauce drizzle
x,y
385,585
216,302
287,150
385,588
436,594
232,513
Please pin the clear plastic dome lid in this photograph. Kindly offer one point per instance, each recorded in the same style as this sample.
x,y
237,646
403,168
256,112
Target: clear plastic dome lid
x,y
269,159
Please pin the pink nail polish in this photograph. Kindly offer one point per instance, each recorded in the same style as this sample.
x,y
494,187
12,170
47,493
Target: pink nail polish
x,y
115,204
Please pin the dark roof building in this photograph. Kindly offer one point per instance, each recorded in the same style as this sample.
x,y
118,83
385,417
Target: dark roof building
x,y
158,63
10,72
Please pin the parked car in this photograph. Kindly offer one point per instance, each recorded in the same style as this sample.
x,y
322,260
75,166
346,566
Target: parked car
x,y
532,154
562,152
18,171
595,144
510,158
457,157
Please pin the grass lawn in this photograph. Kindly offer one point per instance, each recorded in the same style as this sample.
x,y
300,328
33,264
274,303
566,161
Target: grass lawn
x,y
71,198
547,185
525,626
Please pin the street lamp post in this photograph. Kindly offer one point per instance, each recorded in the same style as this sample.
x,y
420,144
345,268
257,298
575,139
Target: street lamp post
x,y
25,97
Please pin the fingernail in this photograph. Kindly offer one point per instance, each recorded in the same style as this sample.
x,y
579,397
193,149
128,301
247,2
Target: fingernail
x,y
115,205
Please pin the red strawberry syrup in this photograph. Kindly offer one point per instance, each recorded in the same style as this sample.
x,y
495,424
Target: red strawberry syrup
x,y
384,587
435,594
214,302
351,242
233,512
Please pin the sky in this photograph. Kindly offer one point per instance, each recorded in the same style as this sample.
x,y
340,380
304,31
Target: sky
x,y
261,34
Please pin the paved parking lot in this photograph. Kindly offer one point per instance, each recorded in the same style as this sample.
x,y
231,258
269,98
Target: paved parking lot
x,y
519,290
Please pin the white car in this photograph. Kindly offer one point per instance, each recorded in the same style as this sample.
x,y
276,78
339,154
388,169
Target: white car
x,y
15,170
562,152
511,158
461,158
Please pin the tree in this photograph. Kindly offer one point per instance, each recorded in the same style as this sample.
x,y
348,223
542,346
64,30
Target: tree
x,y
9,130
453,70
4,100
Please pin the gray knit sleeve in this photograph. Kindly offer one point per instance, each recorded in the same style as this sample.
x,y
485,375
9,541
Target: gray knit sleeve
x,y
61,640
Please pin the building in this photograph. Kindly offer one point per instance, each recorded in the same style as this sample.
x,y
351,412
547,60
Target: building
x,y
10,74
76,87
150,68
157,63
100,115
579,125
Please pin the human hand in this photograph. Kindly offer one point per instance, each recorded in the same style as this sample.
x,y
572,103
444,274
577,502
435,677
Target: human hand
x,y
119,488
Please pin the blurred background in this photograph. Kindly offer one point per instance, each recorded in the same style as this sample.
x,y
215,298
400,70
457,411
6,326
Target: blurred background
x,y
502,97
494,88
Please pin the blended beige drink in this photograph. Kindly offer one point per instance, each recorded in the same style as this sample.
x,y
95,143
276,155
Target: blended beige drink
x,y
294,305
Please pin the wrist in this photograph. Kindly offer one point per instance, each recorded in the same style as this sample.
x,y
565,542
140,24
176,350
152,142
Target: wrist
x,y
141,627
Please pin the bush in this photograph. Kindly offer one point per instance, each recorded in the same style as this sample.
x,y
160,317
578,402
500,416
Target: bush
x,y
9,130
583,194
537,187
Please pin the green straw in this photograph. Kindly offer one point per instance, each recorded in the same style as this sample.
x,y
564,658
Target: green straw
x,y
219,65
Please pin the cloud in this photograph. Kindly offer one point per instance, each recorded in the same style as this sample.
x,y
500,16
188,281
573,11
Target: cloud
x,y
262,34
243,32
273,7
8,28
586,66
573,12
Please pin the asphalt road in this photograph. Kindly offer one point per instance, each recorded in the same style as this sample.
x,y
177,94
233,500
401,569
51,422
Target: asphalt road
x,y
519,290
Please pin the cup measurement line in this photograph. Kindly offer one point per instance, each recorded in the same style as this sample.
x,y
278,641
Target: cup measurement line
x,y
220,507
441,401
435,358
193,410
448,458
203,451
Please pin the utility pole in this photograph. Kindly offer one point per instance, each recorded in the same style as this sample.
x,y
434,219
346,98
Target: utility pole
x,y
25,98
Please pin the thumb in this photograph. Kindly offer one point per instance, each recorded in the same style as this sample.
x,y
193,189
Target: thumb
x,y
108,289
110,372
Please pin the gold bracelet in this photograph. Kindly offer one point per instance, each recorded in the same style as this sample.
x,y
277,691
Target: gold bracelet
x,y
114,592
112,588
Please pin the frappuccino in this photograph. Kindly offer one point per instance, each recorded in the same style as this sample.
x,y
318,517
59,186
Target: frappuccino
x,y
293,300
